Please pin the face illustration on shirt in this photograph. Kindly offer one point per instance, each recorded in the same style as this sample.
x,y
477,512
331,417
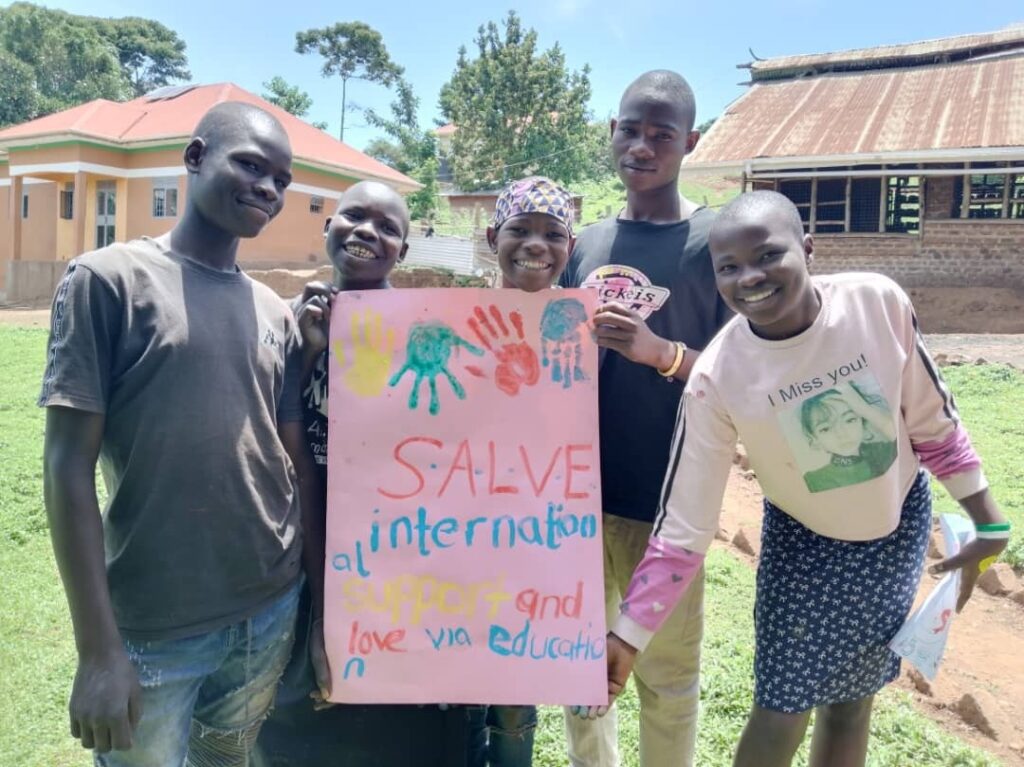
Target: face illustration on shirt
x,y
834,427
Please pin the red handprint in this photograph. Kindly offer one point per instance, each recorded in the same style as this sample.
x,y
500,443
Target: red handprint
x,y
517,361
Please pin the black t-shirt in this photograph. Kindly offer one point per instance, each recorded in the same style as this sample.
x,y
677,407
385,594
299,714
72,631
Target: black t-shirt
x,y
314,415
635,262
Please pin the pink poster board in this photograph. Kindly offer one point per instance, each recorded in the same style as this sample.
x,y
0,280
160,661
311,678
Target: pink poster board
x,y
463,560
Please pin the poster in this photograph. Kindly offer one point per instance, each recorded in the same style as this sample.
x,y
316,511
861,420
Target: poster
x,y
463,560
922,639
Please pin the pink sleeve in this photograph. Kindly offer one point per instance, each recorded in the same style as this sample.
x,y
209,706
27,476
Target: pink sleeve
x,y
952,455
658,583
929,411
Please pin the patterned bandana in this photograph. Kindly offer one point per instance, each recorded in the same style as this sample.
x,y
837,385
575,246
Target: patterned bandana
x,y
535,194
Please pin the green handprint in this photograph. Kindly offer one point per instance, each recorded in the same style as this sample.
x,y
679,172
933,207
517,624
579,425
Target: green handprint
x,y
371,347
427,351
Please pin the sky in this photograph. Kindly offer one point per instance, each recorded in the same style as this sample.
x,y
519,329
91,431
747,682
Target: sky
x,y
249,43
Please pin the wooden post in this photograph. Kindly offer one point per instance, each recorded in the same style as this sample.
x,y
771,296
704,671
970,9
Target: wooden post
x,y
812,218
846,207
883,199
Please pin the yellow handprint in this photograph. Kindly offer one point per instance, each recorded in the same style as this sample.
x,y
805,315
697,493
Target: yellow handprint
x,y
371,348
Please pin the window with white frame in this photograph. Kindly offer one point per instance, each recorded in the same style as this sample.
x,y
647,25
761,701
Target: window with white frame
x,y
316,204
24,204
165,197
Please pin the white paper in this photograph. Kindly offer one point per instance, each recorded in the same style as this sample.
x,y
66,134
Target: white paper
x,y
922,639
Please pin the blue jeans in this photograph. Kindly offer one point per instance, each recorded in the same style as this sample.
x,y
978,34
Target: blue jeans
x,y
204,697
502,736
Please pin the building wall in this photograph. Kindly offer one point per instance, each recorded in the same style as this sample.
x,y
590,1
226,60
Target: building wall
x,y
39,230
948,252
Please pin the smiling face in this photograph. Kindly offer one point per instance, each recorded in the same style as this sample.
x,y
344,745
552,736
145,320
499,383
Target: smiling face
x,y
239,173
366,235
832,425
532,250
760,262
650,137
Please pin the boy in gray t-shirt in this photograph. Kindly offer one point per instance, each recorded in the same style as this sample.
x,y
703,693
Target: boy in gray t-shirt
x,y
179,374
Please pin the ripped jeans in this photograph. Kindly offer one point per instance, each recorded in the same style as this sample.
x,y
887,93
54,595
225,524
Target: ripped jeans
x,y
502,736
204,697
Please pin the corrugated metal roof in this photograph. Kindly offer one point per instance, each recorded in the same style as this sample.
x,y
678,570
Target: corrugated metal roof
x,y
173,118
926,51
977,104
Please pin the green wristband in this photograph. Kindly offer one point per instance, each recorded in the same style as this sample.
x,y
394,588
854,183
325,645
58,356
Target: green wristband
x,y
996,527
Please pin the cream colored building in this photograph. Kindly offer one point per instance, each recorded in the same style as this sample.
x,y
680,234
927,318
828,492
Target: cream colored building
x,y
104,171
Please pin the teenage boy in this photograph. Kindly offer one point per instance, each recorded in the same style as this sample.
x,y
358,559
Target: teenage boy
x,y
365,240
180,375
652,267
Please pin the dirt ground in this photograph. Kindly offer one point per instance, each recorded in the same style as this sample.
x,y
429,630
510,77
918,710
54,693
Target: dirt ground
x,y
983,657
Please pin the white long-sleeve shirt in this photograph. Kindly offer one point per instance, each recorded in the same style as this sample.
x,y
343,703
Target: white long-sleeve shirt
x,y
836,422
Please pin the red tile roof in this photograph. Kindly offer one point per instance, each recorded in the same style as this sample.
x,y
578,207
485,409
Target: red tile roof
x,y
145,120
977,104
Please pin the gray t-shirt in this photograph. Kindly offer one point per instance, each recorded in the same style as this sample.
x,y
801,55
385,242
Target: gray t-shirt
x,y
188,366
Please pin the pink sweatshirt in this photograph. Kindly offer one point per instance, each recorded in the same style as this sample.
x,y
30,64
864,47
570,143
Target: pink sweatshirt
x,y
836,423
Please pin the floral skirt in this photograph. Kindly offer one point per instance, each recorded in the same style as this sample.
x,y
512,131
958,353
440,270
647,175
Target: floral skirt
x,y
826,609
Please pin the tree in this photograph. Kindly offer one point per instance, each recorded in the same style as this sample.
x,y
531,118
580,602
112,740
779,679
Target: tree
x,y
150,54
63,56
20,101
518,110
290,98
410,150
705,126
352,51
52,60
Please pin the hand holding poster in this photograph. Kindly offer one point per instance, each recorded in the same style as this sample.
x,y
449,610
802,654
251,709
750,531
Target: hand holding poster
x,y
922,639
463,560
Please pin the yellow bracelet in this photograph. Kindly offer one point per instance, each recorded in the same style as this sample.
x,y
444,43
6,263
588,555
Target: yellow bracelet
x,y
672,369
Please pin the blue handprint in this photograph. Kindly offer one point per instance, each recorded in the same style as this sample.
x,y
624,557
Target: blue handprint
x,y
427,351
559,327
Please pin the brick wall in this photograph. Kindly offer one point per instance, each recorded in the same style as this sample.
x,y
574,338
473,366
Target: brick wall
x,y
949,252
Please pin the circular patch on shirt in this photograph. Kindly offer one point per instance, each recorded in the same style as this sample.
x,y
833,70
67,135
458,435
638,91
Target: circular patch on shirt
x,y
627,286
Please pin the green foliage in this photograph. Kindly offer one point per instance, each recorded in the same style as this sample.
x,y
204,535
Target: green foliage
x,y
350,50
70,62
518,110
410,150
291,98
990,399
21,100
150,54
51,60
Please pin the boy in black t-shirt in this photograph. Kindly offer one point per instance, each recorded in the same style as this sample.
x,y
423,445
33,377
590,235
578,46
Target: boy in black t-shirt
x,y
652,266
366,239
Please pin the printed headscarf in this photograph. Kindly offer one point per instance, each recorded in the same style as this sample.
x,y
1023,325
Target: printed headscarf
x,y
535,194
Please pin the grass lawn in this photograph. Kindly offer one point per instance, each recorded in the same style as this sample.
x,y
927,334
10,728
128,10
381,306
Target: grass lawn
x,y
37,652
990,399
